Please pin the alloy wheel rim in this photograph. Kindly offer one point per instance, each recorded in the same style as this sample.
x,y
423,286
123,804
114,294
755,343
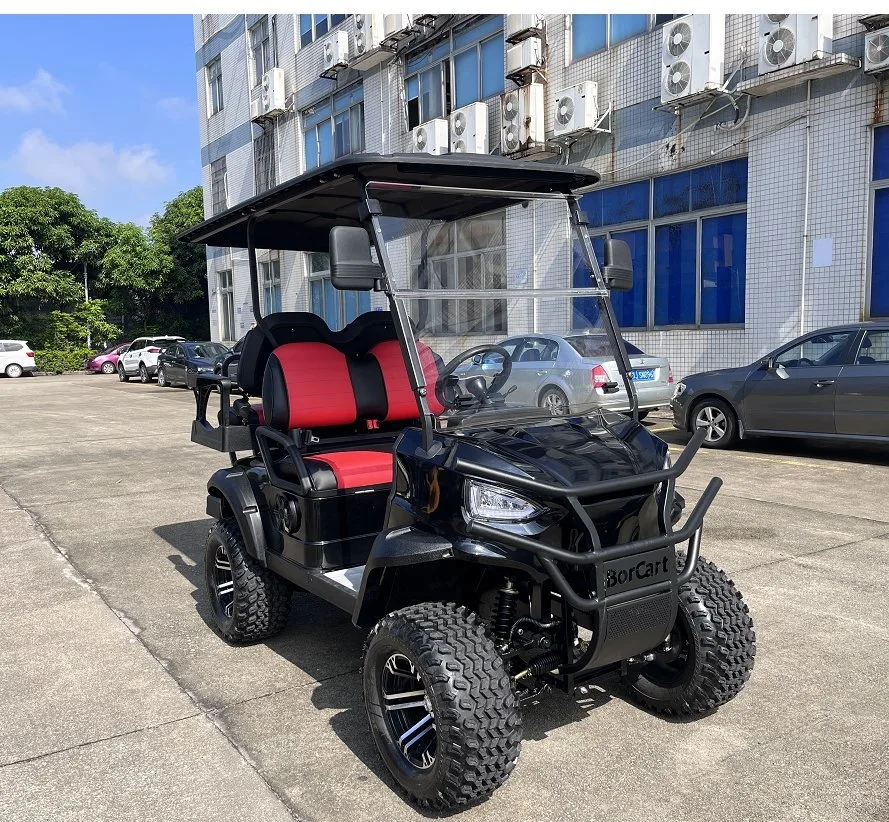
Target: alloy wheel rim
x,y
556,405
108,368
162,377
714,421
408,712
223,582
14,370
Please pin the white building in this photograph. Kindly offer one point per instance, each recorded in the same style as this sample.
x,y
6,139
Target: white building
x,y
745,158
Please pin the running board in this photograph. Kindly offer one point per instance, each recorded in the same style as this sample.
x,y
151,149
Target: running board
x,y
339,588
349,578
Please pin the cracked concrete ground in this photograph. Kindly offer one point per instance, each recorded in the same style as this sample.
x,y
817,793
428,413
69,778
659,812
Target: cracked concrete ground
x,y
118,702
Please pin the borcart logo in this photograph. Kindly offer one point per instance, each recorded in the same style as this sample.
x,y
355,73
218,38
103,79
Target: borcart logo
x,y
643,571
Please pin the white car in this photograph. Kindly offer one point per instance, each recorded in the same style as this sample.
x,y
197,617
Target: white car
x,y
140,359
16,358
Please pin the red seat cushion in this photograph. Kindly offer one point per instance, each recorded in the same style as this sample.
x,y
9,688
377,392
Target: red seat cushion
x,y
352,469
402,404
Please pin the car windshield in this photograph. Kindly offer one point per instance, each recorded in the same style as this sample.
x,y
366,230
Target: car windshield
x,y
206,350
496,302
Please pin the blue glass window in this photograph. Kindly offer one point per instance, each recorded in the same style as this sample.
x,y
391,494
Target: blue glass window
x,y
625,26
720,184
723,268
879,277
466,77
325,144
586,309
493,81
619,204
589,34
881,153
675,252
305,29
631,307
672,194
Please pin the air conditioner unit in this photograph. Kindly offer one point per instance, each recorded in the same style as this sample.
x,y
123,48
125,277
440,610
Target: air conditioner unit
x,y
876,51
519,26
336,51
397,26
692,56
271,99
525,56
368,33
576,108
521,117
469,129
430,137
789,39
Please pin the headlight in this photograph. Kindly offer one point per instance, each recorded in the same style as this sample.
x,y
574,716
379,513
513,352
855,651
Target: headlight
x,y
680,388
205,368
488,502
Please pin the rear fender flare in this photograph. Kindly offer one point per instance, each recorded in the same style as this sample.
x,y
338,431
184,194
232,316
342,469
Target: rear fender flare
x,y
229,492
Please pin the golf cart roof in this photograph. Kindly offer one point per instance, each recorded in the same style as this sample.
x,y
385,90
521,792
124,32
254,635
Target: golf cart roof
x,y
298,215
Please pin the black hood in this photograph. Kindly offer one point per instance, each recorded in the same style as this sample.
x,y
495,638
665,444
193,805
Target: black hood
x,y
571,451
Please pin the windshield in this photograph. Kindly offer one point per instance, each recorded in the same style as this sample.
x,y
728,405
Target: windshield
x,y
504,312
206,350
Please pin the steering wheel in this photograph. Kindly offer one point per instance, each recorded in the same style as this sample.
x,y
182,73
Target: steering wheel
x,y
445,392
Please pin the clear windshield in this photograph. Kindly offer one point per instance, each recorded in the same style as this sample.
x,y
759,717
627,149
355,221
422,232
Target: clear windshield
x,y
505,314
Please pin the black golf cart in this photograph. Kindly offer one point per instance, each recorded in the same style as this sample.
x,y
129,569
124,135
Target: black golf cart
x,y
404,467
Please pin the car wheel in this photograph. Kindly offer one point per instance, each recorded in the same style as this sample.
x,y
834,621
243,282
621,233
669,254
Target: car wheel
x,y
719,420
14,370
442,709
122,374
162,377
143,373
250,603
107,367
554,400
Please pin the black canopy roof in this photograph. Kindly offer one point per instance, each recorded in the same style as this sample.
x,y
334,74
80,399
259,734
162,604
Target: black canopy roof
x,y
298,215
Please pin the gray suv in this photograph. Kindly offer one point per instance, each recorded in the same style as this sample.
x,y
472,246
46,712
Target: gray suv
x,y
832,383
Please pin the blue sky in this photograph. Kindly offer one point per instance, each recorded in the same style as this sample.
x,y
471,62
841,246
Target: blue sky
x,y
104,106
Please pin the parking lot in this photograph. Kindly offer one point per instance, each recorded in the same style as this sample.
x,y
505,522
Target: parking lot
x,y
119,702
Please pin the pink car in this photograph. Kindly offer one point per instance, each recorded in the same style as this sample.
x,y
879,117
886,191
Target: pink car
x,y
106,361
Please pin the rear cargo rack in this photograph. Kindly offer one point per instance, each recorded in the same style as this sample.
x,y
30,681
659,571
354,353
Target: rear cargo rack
x,y
223,437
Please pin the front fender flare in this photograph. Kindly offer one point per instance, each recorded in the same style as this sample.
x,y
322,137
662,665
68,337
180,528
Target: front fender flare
x,y
232,487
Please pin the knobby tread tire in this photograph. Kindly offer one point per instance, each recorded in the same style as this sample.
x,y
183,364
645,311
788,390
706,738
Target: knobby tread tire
x,y
262,598
725,647
477,712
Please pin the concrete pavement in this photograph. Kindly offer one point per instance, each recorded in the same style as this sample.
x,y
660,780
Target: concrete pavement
x,y
119,702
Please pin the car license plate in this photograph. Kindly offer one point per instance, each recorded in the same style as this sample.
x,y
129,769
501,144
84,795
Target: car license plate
x,y
638,570
642,374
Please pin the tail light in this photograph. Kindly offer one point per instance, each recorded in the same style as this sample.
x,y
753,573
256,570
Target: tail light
x,y
30,354
600,377
670,375
155,350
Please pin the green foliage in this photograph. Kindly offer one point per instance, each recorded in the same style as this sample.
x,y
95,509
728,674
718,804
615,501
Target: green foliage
x,y
55,361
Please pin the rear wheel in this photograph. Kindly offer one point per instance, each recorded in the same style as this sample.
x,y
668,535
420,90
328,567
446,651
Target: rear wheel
x,y
144,377
107,367
441,707
709,654
121,373
162,377
719,420
14,370
250,602
554,400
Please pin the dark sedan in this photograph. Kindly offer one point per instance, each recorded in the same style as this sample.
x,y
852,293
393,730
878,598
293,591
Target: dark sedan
x,y
232,370
183,357
831,384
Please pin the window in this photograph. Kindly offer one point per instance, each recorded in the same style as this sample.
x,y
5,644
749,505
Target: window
x,y
464,68
337,308
687,233
334,127
226,305
879,267
261,47
218,186
874,349
596,32
270,274
313,26
214,85
468,254
817,350
264,160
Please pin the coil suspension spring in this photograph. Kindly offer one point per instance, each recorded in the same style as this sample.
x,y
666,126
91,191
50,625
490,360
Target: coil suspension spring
x,y
507,606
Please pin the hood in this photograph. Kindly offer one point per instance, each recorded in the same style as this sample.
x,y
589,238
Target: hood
x,y
200,362
571,452
718,372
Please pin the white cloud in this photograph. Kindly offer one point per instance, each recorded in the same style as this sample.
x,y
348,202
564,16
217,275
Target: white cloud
x,y
176,108
87,166
42,91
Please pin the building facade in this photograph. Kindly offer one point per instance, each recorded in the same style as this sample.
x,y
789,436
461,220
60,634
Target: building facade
x,y
755,198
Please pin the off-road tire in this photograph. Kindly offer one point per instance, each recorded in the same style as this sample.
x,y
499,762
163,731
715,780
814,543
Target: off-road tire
x,y
717,407
108,368
261,597
14,371
721,654
553,399
162,377
144,376
122,374
474,705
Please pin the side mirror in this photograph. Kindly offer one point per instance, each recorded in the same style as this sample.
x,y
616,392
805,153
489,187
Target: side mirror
x,y
618,268
351,267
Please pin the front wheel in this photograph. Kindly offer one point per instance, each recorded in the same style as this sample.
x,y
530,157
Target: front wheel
x,y
107,367
709,654
554,400
122,374
719,420
442,709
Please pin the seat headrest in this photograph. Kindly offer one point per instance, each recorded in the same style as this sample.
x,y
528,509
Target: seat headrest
x,y
530,355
